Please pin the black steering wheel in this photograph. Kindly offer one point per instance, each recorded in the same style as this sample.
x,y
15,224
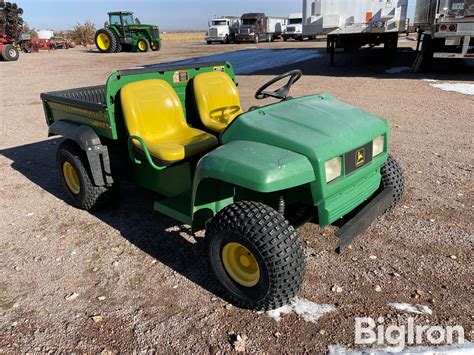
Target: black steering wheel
x,y
281,93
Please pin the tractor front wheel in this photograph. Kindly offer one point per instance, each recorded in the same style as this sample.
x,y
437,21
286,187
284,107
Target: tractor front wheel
x,y
155,46
143,45
75,173
256,255
106,41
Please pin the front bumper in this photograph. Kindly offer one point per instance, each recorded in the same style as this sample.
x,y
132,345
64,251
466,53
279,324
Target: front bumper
x,y
245,38
362,220
215,39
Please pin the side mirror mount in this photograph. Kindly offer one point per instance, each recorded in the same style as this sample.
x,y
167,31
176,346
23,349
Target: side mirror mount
x,y
106,24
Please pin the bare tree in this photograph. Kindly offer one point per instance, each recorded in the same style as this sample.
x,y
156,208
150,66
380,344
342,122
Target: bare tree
x,y
83,33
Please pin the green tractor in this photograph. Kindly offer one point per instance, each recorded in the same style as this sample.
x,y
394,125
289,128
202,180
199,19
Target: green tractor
x,y
124,33
249,179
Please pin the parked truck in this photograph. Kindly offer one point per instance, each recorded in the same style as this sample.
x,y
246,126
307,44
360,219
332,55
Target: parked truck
x,y
223,29
257,27
294,28
352,24
445,30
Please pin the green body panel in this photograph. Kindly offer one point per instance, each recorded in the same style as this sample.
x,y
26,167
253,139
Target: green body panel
x,y
97,120
320,128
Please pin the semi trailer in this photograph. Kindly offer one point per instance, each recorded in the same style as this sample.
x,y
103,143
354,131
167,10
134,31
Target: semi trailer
x,y
257,27
223,29
445,30
352,24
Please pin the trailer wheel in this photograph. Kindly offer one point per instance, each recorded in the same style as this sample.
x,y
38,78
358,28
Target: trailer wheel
x,y
105,41
392,176
75,173
143,45
255,255
10,53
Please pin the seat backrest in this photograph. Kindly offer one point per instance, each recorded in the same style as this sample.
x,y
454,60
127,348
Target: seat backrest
x,y
217,100
151,109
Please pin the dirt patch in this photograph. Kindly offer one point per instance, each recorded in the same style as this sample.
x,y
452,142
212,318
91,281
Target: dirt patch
x,y
147,278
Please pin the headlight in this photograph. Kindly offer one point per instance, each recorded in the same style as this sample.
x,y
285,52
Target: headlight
x,y
378,146
252,34
333,169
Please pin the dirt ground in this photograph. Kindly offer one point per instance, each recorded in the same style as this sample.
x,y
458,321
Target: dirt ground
x,y
146,279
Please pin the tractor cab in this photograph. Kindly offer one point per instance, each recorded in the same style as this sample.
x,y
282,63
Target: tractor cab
x,y
121,19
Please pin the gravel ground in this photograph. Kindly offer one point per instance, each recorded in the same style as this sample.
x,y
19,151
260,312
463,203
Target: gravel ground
x,y
128,278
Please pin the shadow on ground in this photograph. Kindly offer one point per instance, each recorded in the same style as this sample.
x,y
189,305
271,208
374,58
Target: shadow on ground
x,y
157,235
366,62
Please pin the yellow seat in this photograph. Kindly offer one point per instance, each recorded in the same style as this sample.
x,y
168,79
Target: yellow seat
x,y
153,112
217,100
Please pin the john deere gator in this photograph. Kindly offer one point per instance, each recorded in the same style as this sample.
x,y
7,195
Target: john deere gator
x,y
125,33
248,178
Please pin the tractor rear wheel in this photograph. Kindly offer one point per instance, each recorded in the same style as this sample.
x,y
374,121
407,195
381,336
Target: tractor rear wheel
x,y
77,178
256,255
392,176
143,45
106,41
10,53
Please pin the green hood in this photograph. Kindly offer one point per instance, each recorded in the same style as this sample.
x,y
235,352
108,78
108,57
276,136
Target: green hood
x,y
318,127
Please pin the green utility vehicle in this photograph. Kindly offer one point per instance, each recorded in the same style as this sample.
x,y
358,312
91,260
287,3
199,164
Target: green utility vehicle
x,y
124,33
248,178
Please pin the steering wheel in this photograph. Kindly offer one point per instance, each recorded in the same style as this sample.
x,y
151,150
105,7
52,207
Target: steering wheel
x,y
281,93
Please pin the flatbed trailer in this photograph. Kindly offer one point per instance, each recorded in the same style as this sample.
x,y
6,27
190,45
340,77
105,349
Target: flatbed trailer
x,y
350,25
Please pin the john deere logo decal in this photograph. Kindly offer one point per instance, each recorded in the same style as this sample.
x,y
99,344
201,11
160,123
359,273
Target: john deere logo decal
x,y
360,157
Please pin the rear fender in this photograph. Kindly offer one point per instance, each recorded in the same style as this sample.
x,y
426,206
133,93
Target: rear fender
x,y
254,166
97,154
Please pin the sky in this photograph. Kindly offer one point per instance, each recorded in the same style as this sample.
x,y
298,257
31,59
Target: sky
x,y
168,14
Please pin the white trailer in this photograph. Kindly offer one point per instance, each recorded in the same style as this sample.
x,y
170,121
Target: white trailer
x,y
445,30
223,29
351,24
276,26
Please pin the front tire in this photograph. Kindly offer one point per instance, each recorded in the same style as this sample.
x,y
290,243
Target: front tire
x,y
75,173
143,45
255,255
392,176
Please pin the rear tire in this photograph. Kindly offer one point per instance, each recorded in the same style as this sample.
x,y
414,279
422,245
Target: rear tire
x,y
77,179
392,176
106,41
10,53
270,242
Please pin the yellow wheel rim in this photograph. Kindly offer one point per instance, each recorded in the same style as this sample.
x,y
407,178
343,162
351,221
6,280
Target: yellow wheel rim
x,y
72,178
240,264
154,45
142,45
103,41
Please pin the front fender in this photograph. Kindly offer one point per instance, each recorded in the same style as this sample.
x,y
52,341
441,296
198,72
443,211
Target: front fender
x,y
255,166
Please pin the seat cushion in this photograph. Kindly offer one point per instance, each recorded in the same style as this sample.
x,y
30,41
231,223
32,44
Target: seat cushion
x,y
217,100
153,112
184,144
